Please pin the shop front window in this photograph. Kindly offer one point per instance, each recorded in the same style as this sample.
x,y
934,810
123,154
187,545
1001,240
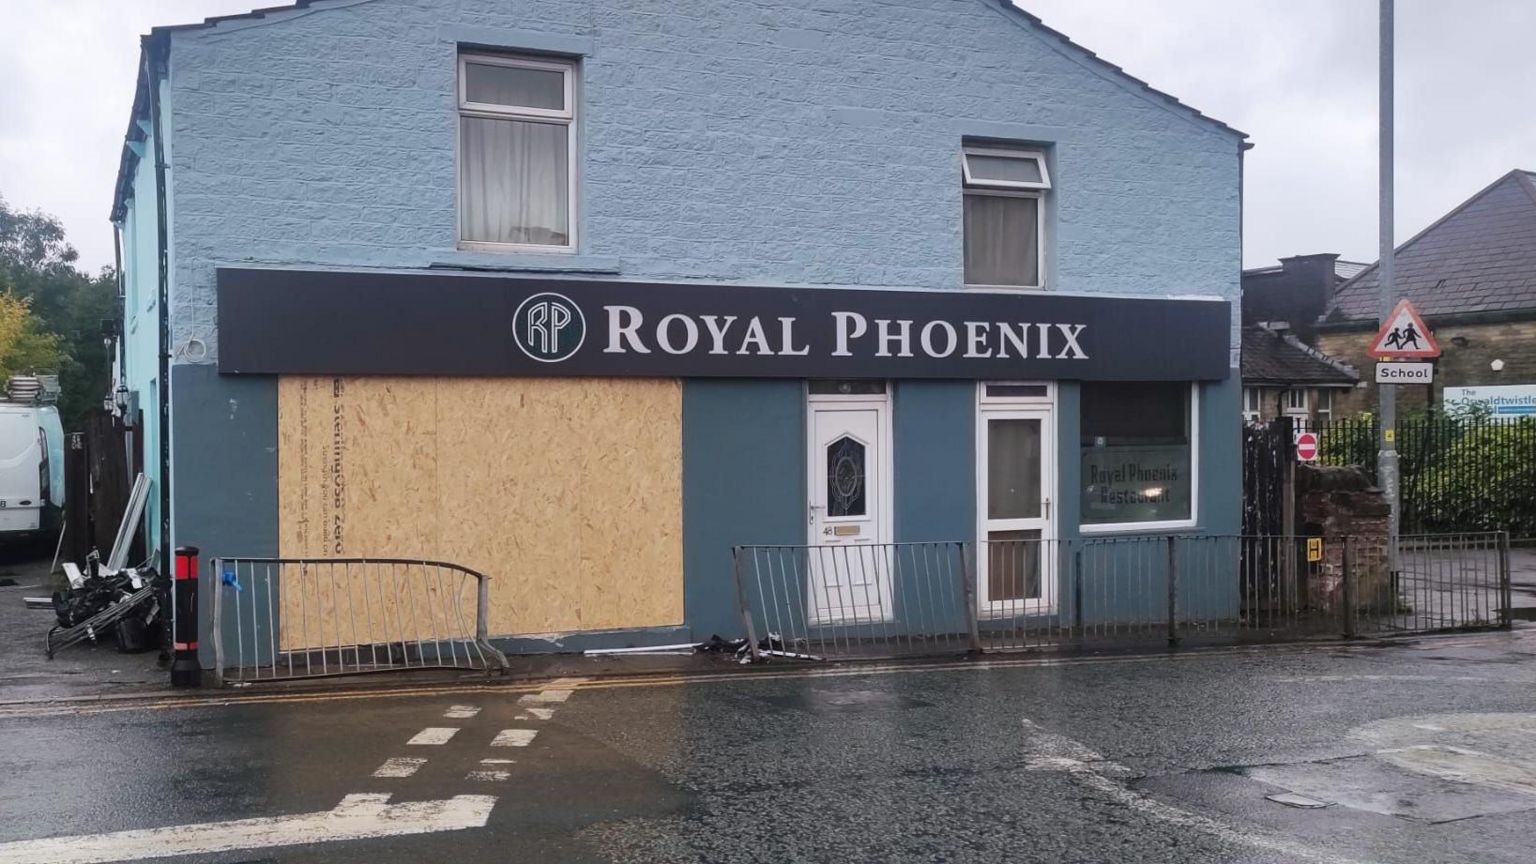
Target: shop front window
x,y
1138,455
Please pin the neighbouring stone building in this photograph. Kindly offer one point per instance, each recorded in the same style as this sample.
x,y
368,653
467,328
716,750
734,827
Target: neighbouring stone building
x,y
1283,373
1472,275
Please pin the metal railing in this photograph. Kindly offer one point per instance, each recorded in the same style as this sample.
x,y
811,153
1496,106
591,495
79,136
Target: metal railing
x,y
1427,582
290,618
823,601
925,599
1457,472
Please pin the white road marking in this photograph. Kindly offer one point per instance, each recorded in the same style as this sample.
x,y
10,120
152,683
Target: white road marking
x,y
488,775
400,766
1054,752
434,735
545,696
356,817
490,771
461,712
535,714
514,737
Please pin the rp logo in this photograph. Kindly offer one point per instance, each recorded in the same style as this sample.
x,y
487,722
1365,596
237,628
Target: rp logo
x,y
549,327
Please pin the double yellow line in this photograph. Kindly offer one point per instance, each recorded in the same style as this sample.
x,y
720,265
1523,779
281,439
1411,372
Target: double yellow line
x,y
226,699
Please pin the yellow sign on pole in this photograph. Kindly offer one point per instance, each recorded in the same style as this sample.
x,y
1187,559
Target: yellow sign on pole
x,y
1390,435
1314,549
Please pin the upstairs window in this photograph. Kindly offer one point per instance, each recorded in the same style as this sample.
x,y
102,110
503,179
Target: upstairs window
x,y
1004,219
516,139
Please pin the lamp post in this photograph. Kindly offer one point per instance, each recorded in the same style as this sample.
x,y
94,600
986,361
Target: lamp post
x,y
1386,460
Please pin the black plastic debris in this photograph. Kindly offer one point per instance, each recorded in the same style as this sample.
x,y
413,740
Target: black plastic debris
x,y
124,606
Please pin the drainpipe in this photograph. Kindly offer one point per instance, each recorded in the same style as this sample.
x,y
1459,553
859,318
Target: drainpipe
x,y
122,311
155,68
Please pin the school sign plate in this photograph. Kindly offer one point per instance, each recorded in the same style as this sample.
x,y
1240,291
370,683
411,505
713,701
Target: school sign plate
x,y
346,323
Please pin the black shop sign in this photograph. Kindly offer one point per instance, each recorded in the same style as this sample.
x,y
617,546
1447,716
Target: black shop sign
x,y
347,323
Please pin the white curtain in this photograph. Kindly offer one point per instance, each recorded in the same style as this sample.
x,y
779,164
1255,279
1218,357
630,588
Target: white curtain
x,y
1002,240
514,182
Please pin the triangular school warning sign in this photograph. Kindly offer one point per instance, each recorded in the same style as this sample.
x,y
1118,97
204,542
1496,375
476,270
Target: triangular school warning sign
x,y
1404,335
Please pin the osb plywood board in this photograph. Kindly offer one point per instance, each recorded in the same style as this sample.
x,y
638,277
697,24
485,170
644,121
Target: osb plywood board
x,y
566,492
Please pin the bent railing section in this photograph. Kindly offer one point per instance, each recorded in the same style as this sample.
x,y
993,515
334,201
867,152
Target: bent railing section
x,y
292,618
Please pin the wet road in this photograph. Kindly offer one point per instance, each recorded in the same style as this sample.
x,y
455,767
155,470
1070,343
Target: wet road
x,y
1422,753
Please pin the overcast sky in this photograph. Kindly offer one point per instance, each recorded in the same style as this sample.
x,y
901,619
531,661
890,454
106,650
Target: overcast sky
x,y
1299,76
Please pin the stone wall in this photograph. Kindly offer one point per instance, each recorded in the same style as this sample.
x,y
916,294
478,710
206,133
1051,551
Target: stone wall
x,y
1337,503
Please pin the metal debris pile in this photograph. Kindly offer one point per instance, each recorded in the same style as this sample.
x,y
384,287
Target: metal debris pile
x,y
122,604
109,598
741,649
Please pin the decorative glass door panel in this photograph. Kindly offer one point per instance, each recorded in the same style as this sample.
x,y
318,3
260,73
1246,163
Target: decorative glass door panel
x,y
848,570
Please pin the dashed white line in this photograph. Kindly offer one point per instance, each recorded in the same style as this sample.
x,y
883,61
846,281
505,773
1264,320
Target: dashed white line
x,y
434,735
545,697
400,766
488,775
490,772
461,712
535,714
514,737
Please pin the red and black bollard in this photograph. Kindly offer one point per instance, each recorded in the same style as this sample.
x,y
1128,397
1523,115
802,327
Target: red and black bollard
x,y
185,670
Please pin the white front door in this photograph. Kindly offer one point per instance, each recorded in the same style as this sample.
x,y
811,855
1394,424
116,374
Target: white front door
x,y
848,568
1015,572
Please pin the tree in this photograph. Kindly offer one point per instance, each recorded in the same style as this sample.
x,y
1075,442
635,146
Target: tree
x,y
37,266
34,241
24,347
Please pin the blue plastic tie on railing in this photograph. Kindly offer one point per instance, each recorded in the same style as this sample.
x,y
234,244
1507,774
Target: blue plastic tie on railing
x,y
231,578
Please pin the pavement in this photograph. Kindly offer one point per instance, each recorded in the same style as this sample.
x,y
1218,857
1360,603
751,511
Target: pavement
x,y
1522,583
88,670
1411,752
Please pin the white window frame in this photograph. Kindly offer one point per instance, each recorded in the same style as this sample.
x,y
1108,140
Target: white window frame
x,y
1289,406
1194,485
1324,404
1010,189
1253,404
566,117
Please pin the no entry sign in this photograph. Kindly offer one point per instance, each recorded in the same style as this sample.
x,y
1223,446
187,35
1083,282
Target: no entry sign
x,y
1306,447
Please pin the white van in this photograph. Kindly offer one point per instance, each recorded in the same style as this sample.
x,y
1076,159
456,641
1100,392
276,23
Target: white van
x,y
31,469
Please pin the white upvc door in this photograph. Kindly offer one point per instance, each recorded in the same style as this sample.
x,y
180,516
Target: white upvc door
x,y
1016,480
849,515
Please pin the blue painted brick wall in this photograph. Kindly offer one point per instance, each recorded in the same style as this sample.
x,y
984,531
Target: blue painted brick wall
x,y
769,141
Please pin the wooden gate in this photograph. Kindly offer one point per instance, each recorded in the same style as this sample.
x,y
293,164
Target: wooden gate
x,y
99,466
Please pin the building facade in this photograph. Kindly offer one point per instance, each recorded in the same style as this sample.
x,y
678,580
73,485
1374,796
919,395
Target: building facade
x,y
1472,275
1284,375
582,295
